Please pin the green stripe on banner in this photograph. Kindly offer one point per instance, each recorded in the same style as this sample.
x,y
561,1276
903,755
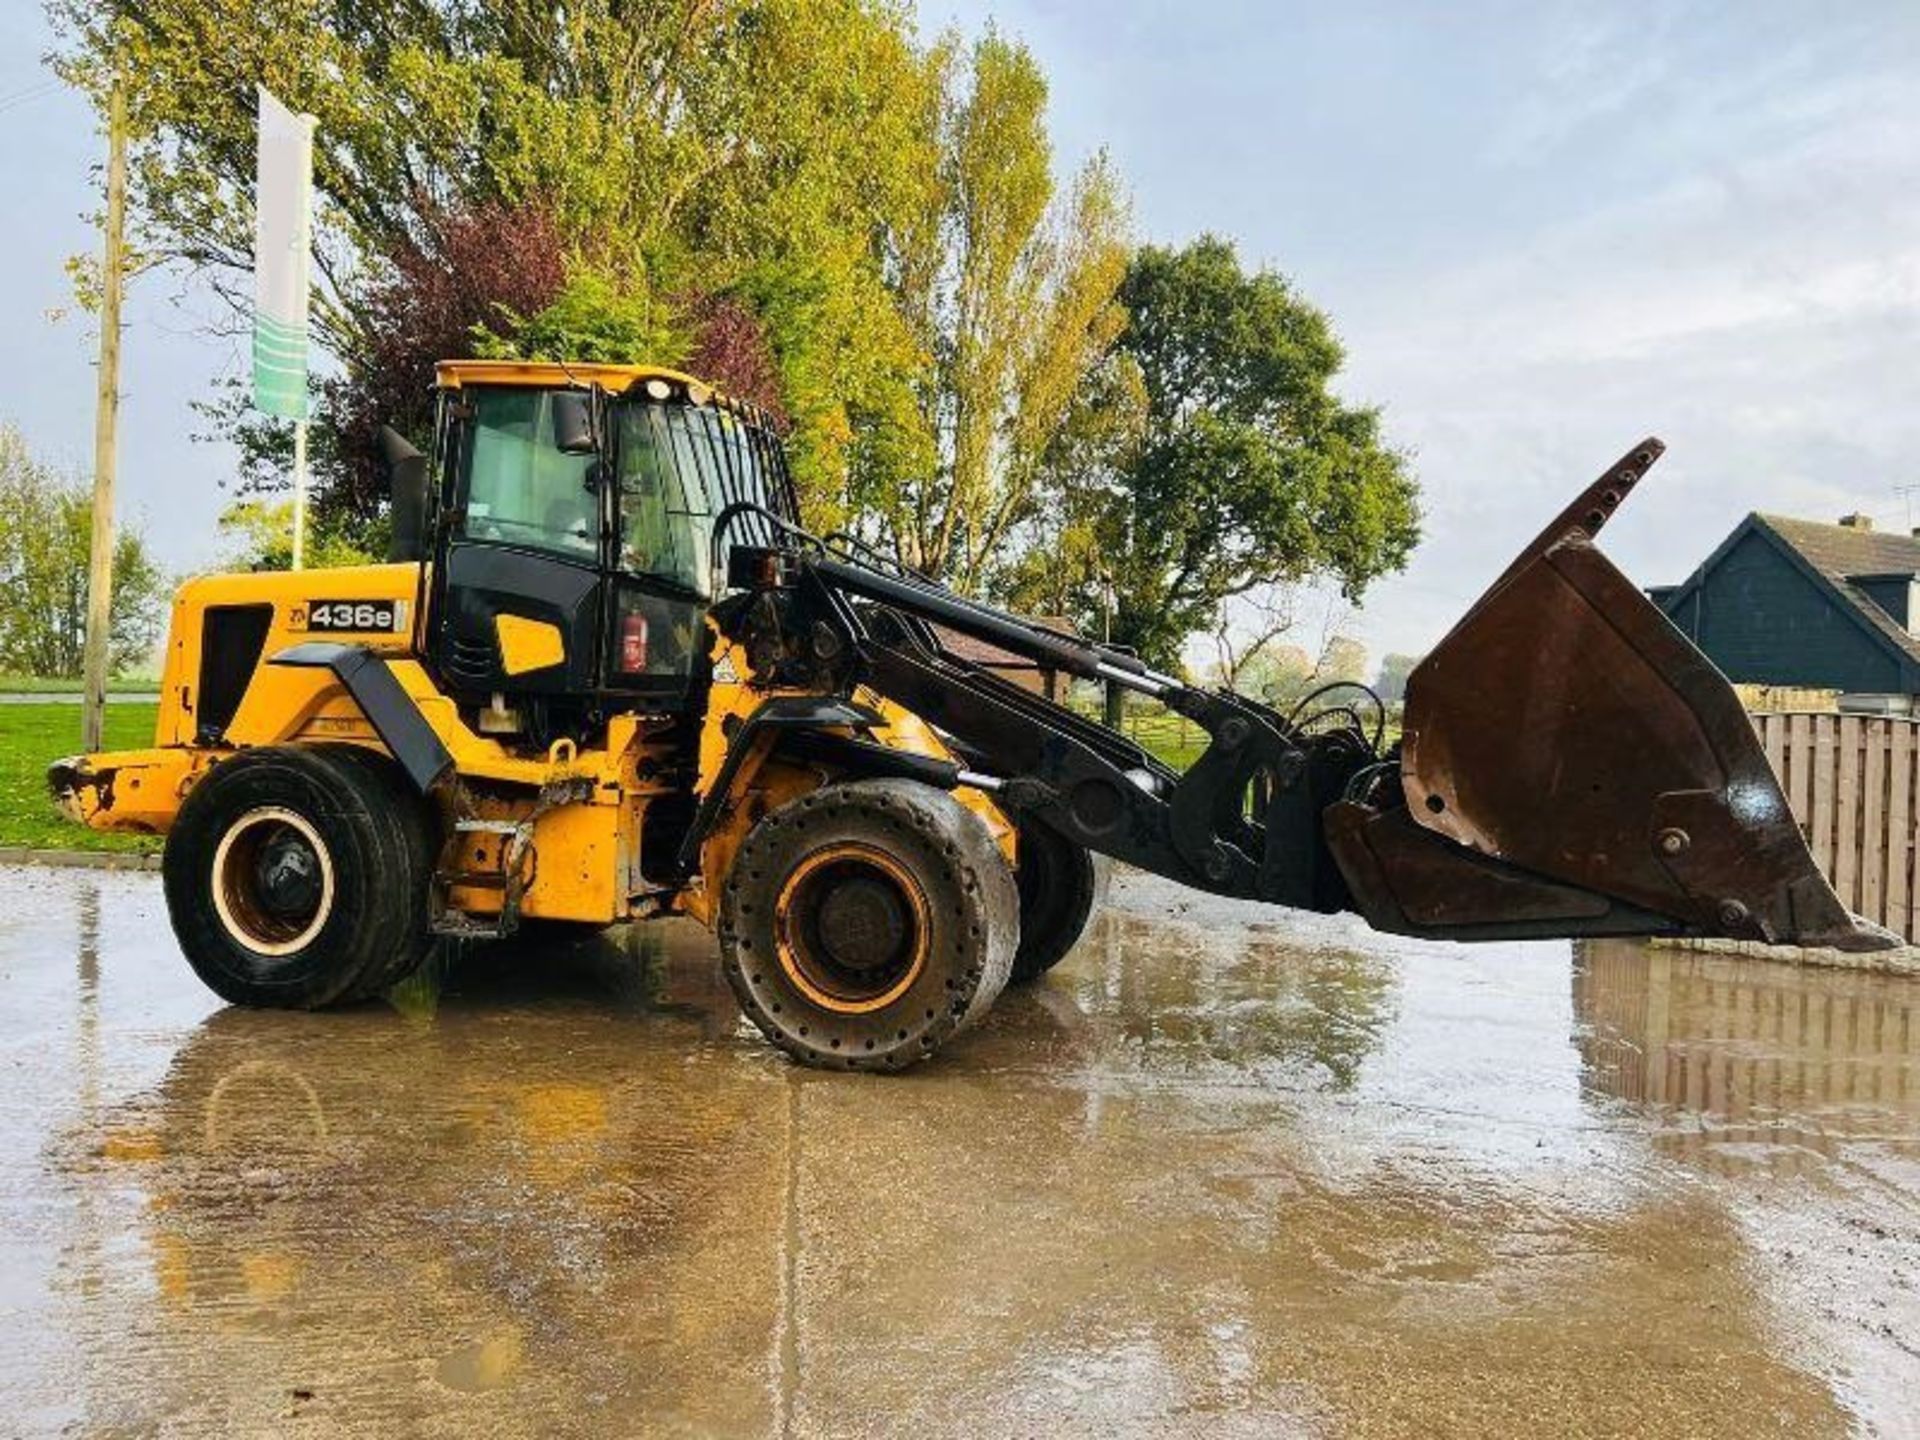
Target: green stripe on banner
x,y
284,396
279,354
279,359
279,368
282,393
285,342
278,332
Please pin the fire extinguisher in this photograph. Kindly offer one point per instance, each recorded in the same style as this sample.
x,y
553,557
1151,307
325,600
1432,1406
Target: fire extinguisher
x,y
633,643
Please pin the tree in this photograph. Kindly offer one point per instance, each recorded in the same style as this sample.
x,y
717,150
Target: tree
x,y
1247,634
748,148
1282,674
1010,289
1241,468
1391,683
46,521
1278,675
260,535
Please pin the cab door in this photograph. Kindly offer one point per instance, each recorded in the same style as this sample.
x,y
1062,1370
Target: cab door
x,y
519,587
661,581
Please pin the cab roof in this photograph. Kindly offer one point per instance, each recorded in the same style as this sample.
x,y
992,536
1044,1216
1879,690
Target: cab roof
x,y
617,379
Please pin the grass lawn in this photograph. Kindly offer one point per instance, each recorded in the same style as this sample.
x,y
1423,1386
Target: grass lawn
x,y
1176,751
1169,738
39,685
34,736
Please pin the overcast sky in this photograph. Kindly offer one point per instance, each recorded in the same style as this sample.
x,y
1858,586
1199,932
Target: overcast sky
x,y
1543,230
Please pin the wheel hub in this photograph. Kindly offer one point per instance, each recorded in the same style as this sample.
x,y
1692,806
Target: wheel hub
x,y
863,923
288,875
272,881
853,928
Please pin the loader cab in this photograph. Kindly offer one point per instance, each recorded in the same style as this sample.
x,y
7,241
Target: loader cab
x,y
572,542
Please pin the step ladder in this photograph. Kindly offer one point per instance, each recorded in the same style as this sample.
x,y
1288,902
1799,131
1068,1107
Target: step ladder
x,y
507,875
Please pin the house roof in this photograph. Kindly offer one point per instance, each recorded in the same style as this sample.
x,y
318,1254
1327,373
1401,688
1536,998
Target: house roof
x,y
980,652
1833,557
1842,554
1844,551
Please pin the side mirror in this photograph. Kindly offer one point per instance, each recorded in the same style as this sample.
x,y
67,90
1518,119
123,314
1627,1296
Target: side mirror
x,y
407,484
573,429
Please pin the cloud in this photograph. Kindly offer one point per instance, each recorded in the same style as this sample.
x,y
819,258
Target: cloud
x,y
1760,308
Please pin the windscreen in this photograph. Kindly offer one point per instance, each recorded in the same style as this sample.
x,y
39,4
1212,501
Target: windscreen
x,y
680,466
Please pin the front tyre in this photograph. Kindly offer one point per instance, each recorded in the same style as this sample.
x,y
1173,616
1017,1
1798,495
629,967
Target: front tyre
x,y
865,924
285,885
1061,884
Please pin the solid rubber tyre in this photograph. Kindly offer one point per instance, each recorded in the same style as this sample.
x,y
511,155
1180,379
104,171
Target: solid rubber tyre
x,y
1060,884
952,895
368,909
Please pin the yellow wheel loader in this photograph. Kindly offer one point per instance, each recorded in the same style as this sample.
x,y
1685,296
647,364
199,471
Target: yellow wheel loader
x,y
606,676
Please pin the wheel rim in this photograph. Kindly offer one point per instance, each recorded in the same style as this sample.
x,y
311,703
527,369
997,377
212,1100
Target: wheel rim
x,y
852,928
272,881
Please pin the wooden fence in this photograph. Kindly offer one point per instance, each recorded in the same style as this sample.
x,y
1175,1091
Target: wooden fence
x,y
1850,781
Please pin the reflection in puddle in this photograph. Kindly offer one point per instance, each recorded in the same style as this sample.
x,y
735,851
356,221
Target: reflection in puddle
x,y
1247,1006
655,968
1802,1087
1756,1062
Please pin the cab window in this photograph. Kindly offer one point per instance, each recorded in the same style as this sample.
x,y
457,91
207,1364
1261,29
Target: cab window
x,y
665,512
522,489
679,467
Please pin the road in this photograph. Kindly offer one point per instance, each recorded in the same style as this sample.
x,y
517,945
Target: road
x,y
1230,1171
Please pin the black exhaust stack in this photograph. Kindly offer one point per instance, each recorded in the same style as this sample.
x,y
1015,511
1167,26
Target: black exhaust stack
x,y
407,485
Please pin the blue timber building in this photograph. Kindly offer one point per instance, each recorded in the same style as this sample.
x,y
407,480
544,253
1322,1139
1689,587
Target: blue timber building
x,y
1797,602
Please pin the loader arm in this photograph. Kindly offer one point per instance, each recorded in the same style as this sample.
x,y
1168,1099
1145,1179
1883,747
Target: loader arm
x,y
1572,765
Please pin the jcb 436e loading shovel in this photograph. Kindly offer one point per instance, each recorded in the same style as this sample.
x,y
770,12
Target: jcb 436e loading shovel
x,y
605,676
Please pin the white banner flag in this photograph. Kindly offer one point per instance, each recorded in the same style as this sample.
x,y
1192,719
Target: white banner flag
x,y
280,242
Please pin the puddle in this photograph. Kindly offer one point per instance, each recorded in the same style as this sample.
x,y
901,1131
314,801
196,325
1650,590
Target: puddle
x,y
1750,1053
1229,1171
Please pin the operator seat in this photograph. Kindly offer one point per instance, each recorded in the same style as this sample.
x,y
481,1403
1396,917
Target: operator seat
x,y
571,521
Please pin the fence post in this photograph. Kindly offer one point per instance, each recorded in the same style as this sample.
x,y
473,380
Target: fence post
x,y
1899,901
1846,840
1876,737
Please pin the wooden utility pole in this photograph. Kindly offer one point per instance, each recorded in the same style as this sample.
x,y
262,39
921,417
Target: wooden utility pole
x,y
106,421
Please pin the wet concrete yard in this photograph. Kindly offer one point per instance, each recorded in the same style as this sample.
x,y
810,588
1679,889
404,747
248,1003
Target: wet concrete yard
x,y
1230,1171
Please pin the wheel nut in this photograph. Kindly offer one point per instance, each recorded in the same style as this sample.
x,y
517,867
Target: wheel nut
x,y
1673,842
1732,912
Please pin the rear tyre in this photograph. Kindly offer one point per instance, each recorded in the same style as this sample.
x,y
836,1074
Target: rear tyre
x,y
286,884
866,924
1060,884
